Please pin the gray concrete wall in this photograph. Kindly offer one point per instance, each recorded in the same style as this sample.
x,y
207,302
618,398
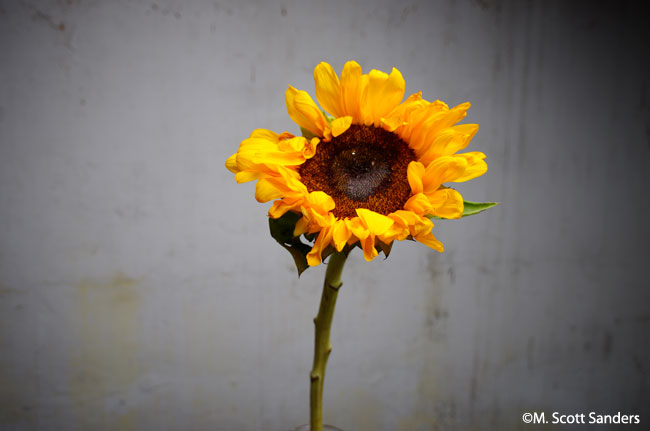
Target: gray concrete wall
x,y
140,290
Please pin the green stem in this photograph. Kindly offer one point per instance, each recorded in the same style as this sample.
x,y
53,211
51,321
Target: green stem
x,y
322,346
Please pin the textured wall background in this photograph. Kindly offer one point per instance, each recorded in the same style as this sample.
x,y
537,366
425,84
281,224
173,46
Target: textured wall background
x,y
140,290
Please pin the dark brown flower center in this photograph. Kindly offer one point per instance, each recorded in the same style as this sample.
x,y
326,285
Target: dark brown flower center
x,y
365,167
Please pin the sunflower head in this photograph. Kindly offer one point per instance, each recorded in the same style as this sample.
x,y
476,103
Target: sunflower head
x,y
370,168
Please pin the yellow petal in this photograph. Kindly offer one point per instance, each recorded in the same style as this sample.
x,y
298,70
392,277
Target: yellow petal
x,y
419,121
320,201
323,240
385,92
266,191
415,172
340,234
340,125
353,86
292,145
288,152
280,207
395,232
358,228
430,241
278,158
231,164
375,222
398,116
466,132
448,142
369,250
447,203
476,166
309,150
419,204
304,112
266,134
301,226
328,89
442,170
244,177
392,123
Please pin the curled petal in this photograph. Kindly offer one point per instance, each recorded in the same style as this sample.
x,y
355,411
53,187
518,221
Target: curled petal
x,y
304,112
447,203
476,166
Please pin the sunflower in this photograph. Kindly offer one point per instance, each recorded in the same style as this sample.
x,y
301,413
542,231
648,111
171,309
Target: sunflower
x,y
372,172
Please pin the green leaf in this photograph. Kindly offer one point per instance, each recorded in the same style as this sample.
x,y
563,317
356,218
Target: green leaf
x,y
308,133
327,116
282,231
471,208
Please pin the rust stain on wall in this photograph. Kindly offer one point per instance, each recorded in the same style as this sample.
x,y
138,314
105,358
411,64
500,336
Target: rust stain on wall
x,y
105,364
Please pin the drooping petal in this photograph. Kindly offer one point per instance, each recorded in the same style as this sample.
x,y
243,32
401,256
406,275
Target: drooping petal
x,y
323,240
369,250
430,241
340,234
328,89
304,112
301,227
